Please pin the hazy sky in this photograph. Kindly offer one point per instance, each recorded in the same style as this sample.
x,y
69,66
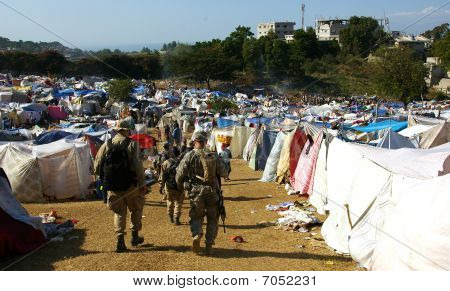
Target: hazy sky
x,y
115,23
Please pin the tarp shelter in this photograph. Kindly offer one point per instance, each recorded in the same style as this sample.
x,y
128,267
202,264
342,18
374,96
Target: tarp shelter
x,y
20,233
262,149
145,141
361,185
52,136
392,124
435,136
59,170
392,140
270,170
57,112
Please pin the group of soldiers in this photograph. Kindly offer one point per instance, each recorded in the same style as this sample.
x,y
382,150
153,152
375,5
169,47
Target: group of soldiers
x,y
192,171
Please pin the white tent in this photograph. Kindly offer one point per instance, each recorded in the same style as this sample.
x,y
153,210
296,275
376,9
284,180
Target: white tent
x,y
58,170
361,186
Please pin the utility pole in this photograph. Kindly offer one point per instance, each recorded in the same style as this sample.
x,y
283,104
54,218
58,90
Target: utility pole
x,y
303,16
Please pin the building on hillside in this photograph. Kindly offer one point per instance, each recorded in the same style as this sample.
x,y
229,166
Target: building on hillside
x,y
443,86
289,38
281,29
330,29
417,43
435,72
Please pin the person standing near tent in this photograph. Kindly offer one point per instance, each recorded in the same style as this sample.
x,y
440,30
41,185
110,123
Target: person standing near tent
x,y
199,173
225,154
176,134
169,187
119,167
167,133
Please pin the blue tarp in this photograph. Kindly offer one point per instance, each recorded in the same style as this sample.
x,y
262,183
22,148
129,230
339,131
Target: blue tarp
x,y
139,90
85,92
224,122
260,120
381,111
263,151
392,124
52,136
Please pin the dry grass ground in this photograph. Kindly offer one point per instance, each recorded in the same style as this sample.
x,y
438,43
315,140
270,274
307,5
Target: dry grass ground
x,y
90,246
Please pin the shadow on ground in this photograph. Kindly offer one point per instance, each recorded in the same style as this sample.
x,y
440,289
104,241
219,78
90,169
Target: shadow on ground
x,y
44,259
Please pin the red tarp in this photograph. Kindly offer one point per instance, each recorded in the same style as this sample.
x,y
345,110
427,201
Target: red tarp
x,y
145,141
17,237
56,112
297,144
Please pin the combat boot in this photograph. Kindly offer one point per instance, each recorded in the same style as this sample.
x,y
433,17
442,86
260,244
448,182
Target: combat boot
x,y
171,218
136,239
121,247
177,221
196,243
209,249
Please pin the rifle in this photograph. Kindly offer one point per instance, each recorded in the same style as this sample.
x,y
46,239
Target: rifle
x,y
222,211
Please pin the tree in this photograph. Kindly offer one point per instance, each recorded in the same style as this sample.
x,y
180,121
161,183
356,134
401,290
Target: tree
x,y
252,55
277,62
202,62
51,62
120,90
304,47
437,33
234,43
360,36
398,74
441,49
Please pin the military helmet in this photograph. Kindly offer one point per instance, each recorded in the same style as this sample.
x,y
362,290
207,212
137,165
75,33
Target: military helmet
x,y
199,136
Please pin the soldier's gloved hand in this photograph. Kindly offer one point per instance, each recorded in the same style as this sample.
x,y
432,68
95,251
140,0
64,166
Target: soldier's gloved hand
x,y
143,190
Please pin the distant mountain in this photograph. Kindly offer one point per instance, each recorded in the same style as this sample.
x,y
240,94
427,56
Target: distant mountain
x,y
36,47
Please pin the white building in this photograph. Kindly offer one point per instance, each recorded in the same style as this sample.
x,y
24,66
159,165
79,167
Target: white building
x,y
281,29
330,29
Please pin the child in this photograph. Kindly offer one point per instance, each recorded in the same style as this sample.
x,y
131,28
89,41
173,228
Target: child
x,y
225,154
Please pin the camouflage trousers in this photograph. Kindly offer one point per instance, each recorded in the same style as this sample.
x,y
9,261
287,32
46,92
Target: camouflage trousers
x,y
203,200
175,200
121,201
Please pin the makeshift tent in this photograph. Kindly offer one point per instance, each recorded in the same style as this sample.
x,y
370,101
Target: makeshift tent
x,y
392,140
145,141
264,147
58,170
240,136
296,148
392,124
19,232
57,113
303,178
283,163
361,184
270,170
435,136
410,241
52,136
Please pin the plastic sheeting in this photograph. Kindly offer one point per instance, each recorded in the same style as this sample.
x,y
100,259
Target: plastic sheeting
x,y
296,147
60,170
270,170
410,241
264,148
283,163
303,178
11,206
392,140
437,135
392,124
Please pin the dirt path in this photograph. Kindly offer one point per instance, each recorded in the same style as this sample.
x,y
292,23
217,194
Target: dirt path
x,y
90,246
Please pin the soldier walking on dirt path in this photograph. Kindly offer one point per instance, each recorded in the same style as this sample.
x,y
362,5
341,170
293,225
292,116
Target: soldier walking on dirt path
x,y
199,173
119,167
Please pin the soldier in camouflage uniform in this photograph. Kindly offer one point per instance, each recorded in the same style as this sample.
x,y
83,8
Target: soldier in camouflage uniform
x,y
199,173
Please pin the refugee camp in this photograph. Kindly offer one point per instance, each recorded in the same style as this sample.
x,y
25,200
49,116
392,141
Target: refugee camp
x,y
280,150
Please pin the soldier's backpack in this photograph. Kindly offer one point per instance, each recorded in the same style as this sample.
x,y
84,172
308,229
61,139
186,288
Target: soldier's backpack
x,y
209,163
118,174
169,176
